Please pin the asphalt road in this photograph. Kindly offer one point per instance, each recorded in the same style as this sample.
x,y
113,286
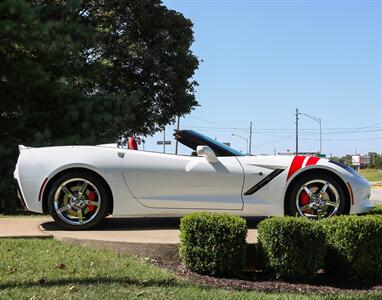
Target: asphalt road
x,y
376,196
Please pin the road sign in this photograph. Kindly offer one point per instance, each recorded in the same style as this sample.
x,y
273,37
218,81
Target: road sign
x,y
165,142
356,160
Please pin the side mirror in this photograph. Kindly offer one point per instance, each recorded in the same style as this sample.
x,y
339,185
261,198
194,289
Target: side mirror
x,y
207,152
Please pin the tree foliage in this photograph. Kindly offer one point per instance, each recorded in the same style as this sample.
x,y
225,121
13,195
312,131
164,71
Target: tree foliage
x,y
85,72
374,161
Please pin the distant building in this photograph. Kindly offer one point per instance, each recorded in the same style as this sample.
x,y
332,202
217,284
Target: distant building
x,y
357,161
365,160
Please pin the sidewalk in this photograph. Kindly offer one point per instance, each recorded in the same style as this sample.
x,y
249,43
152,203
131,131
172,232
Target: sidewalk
x,y
23,227
376,184
128,230
145,237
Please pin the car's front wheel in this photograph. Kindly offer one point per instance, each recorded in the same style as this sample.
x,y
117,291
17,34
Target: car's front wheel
x,y
78,200
316,196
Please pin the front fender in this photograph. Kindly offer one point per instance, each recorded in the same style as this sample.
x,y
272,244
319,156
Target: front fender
x,y
311,164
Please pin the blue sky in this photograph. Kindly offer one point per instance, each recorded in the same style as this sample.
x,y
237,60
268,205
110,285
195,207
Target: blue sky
x,y
264,59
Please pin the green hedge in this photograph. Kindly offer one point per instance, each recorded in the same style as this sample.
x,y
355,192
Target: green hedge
x,y
347,247
213,244
376,210
354,246
293,248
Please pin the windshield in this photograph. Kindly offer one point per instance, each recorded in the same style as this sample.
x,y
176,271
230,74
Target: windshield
x,y
193,139
223,146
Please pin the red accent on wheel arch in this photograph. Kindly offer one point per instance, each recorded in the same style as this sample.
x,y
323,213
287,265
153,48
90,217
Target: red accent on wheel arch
x,y
312,161
295,165
42,188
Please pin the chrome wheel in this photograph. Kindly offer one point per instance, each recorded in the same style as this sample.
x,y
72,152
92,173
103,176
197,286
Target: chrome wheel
x,y
317,199
77,201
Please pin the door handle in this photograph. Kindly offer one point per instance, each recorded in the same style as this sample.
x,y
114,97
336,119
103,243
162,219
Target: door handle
x,y
258,173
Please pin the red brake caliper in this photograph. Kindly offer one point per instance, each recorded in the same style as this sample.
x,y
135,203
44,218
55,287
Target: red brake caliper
x,y
91,197
304,198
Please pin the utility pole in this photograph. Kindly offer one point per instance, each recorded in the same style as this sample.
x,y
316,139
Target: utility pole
x,y
176,142
164,139
314,119
296,131
250,139
320,136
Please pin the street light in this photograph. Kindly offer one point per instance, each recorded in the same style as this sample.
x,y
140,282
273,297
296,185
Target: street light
x,y
243,138
314,119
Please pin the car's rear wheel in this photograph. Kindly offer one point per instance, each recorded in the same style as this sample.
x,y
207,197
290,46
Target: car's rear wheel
x,y
78,200
316,196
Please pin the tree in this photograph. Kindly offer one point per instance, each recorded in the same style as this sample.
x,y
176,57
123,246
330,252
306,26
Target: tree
x,y
378,161
86,72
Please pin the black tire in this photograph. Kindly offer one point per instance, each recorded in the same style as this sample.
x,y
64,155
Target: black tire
x,y
295,193
91,215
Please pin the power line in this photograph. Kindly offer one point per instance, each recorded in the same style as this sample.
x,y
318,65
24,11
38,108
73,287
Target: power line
x,y
274,130
208,121
350,132
219,127
326,140
352,140
273,141
316,130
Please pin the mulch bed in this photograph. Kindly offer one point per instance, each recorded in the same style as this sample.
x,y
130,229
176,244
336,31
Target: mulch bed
x,y
257,281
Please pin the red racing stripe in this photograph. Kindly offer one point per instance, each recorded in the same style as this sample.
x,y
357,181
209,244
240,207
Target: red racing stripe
x,y
312,161
295,165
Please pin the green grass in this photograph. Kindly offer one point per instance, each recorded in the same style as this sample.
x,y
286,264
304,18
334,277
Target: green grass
x,y
48,269
371,174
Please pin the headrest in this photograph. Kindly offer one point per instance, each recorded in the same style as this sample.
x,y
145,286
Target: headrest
x,y
132,144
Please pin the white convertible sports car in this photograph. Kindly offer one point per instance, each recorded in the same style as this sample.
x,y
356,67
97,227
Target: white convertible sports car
x,y
80,185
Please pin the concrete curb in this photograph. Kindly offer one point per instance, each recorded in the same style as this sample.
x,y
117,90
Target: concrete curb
x,y
146,238
160,252
42,237
376,184
155,243
163,252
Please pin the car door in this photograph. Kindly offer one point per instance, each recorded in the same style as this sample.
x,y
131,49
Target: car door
x,y
174,181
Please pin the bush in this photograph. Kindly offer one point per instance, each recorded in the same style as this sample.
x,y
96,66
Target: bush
x,y
293,248
376,210
213,244
354,246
